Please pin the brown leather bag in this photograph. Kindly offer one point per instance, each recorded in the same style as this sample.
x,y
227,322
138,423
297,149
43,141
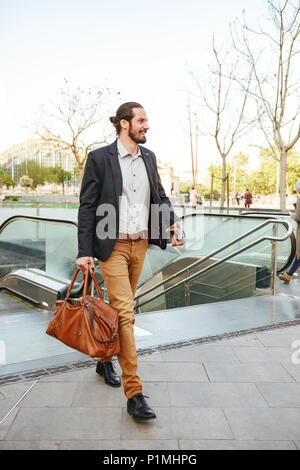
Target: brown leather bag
x,y
86,324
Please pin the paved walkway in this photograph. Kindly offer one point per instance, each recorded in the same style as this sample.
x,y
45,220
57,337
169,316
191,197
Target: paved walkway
x,y
237,393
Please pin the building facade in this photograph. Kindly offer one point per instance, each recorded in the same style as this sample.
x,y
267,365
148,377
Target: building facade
x,y
45,153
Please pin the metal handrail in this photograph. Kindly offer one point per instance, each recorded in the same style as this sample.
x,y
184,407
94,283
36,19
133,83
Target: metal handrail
x,y
273,239
35,219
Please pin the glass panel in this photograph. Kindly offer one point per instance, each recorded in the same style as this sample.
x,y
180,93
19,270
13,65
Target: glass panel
x,y
220,230
48,246
174,299
204,234
244,275
234,279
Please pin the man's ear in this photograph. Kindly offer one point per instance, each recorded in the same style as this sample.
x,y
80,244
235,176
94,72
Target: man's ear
x,y
124,124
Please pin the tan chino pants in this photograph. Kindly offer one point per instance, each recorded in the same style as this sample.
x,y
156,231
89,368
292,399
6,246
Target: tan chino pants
x,y
121,272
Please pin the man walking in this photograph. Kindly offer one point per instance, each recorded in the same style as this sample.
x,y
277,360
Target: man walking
x,y
123,207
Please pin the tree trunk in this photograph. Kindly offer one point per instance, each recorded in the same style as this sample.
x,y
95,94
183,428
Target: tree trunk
x,y
80,166
62,180
222,202
283,179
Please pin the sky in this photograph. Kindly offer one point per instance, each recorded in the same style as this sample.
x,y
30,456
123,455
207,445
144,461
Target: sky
x,y
145,50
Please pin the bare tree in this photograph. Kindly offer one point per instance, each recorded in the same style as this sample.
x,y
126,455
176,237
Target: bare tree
x,y
275,87
225,102
78,122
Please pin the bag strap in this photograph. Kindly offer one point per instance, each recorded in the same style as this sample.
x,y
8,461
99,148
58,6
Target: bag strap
x,y
85,286
72,282
95,281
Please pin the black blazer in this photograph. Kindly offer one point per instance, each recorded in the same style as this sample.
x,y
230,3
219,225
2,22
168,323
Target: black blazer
x,y
102,185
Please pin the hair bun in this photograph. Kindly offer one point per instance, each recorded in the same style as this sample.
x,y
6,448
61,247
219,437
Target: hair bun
x,y
112,119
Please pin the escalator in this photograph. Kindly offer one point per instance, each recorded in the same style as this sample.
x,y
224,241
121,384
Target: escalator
x,y
240,268
222,260
38,254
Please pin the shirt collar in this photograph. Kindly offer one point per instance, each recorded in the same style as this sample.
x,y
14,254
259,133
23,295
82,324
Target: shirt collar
x,y
123,152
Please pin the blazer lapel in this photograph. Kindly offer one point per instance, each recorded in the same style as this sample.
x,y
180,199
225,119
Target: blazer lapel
x,y
116,170
150,173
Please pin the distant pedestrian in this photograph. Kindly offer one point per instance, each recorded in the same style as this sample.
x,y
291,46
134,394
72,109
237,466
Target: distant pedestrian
x,y
199,200
248,198
287,276
238,197
193,196
233,197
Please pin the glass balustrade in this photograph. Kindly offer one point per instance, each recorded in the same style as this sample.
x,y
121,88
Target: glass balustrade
x,y
51,247
245,274
206,233
46,245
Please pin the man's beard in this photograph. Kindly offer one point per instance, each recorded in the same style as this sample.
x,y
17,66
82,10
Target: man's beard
x,y
135,136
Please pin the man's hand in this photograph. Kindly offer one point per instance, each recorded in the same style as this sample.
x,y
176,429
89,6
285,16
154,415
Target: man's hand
x,y
176,242
83,262
178,237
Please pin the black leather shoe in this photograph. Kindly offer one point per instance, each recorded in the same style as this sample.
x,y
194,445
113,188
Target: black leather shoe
x,y
107,370
138,408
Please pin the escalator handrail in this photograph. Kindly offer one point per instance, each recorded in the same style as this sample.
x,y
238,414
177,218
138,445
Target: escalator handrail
x,y
35,219
289,232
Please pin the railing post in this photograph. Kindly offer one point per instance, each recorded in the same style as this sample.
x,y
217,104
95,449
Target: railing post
x,y
274,260
187,291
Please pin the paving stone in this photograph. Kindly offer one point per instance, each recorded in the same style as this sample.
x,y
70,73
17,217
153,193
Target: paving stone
x,y
65,423
161,444
215,395
178,423
224,372
80,375
294,329
235,445
263,355
7,403
158,393
52,394
95,395
293,370
15,390
249,340
151,357
170,372
201,353
281,395
101,395
30,445
279,340
269,424
72,376
4,427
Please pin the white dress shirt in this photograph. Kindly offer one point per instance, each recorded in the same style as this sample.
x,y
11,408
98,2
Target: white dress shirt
x,y
135,199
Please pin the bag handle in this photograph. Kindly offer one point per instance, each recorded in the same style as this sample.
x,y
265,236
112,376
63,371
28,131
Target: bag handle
x,y
72,282
85,286
95,281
